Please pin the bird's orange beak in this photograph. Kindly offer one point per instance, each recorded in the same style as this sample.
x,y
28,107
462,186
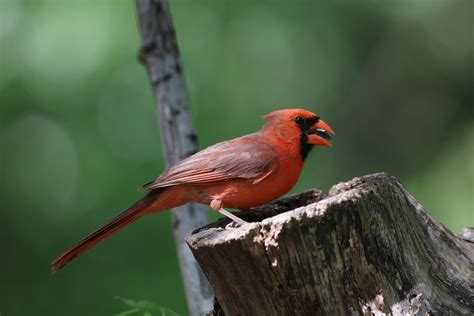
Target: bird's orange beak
x,y
320,134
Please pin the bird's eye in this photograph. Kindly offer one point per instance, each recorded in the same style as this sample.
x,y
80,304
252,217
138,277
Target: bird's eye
x,y
299,121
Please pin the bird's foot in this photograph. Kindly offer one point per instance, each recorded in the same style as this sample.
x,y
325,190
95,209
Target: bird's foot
x,y
218,206
232,216
232,225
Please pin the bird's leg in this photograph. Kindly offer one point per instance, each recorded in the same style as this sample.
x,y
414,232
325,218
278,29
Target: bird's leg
x,y
232,216
217,205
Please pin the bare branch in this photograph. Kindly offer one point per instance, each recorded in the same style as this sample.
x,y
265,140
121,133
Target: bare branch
x,y
160,55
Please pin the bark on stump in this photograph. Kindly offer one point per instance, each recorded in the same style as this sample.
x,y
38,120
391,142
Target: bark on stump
x,y
367,248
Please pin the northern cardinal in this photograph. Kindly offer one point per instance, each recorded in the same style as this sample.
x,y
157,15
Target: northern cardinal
x,y
240,173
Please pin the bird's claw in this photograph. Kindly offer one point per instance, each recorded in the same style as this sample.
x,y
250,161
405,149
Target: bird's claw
x,y
232,224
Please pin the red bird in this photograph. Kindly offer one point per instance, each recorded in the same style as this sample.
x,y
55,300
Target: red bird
x,y
240,173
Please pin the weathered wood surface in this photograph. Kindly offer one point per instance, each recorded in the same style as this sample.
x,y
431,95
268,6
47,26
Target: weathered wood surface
x,y
369,248
160,54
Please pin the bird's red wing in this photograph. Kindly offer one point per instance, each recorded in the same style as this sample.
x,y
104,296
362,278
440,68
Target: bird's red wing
x,y
245,157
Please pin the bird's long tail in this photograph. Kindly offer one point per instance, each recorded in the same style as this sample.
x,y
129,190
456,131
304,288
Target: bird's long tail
x,y
117,223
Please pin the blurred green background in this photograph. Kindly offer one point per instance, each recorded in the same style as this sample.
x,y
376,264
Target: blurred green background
x,y
78,133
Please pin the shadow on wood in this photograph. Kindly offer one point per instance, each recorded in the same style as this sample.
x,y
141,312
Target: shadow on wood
x,y
368,247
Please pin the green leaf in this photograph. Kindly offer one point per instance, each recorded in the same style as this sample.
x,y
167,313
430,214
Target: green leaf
x,y
148,308
125,313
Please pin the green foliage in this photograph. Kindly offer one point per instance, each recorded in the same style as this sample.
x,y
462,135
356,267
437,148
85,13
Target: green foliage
x,y
145,307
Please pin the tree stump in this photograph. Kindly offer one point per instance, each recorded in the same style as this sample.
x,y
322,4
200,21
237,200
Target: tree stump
x,y
368,248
